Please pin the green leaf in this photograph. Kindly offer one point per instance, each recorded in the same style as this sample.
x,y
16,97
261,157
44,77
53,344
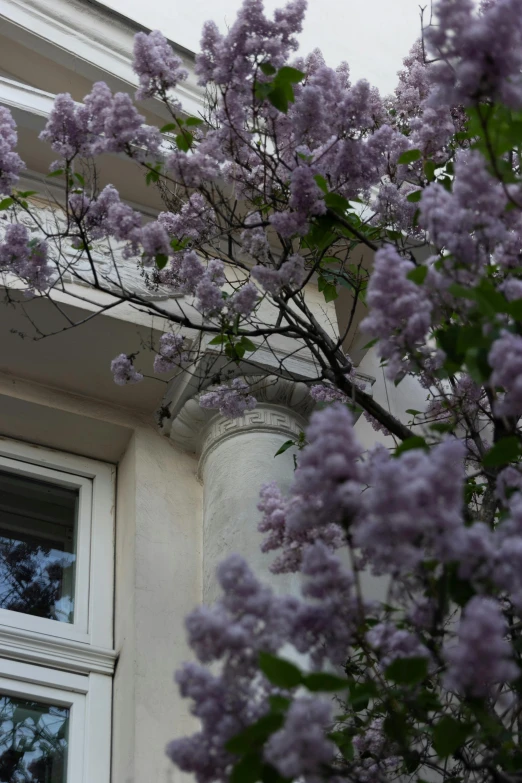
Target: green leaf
x,y
6,203
330,292
79,178
414,197
194,121
279,672
396,728
321,182
219,339
418,275
286,445
170,126
361,693
161,260
278,97
413,412
344,743
429,170
247,344
460,590
279,703
26,193
268,69
410,156
255,735
184,141
449,735
288,74
323,681
57,173
505,451
407,671
336,203
248,770
415,442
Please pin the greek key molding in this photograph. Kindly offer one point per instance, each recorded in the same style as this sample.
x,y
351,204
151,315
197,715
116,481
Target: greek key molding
x,y
283,407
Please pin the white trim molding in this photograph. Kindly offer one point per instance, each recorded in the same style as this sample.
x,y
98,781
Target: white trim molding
x,y
64,654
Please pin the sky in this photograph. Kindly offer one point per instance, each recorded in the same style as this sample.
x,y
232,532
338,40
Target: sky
x,y
371,35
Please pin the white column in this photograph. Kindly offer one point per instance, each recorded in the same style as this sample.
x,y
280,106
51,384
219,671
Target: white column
x,y
236,458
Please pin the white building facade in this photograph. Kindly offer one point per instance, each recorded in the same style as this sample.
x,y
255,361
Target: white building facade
x,y
134,516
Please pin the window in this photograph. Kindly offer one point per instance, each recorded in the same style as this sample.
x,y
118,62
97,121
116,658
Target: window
x,y
56,585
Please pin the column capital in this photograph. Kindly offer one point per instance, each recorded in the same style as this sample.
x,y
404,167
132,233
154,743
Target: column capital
x,y
283,406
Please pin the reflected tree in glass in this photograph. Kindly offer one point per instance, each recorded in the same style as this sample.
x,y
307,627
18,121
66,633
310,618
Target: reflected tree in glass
x,y
38,523
33,741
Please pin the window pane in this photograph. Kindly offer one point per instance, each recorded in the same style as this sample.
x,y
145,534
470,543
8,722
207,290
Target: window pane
x,y
37,547
33,741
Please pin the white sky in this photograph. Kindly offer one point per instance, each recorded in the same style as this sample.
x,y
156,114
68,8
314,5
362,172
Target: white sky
x,y
372,35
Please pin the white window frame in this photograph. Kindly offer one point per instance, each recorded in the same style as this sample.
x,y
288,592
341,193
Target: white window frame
x,y
88,697
94,583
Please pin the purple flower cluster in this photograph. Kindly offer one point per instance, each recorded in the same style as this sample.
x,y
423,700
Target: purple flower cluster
x,y
11,163
25,257
243,300
505,358
102,123
479,55
375,761
194,221
400,310
469,222
413,510
301,747
123,370
171,353
293,543
481,658
327,482
231,401
158,68
391,643
290,274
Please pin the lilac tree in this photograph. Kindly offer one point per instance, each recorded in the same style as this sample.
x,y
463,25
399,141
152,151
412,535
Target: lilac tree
x,y
291,169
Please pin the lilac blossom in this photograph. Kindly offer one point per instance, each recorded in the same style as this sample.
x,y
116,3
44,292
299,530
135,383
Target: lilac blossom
x,y
469,221
328,479
326,625
156,65
191,272
123,370
154,240
171,353
481,658
391,643
11,163
25,257
290,273
243,301
103,123
254,240
400,310
505,359
301,747
479,55
293,544
231,401
413,510
375,762
194,221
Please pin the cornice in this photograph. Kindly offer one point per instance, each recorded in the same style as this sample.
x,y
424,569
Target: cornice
x,y
89,39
